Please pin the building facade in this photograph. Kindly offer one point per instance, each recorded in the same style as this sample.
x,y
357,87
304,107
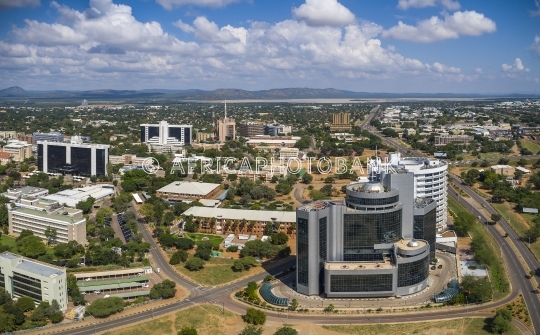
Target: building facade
x,y
377,243
164,133
73,158
7,134
19,150
25,277
341,121
53,136
250,129
447,139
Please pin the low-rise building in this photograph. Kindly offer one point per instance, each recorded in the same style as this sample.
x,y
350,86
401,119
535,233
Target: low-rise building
x,y
5,158
505,170
127,159
19,150
7,134
25,191
201,137
271,141
288,153
25,277
71,197
179,190
250,129
447,139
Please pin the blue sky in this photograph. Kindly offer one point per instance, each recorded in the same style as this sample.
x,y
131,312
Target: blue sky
x,y
361,45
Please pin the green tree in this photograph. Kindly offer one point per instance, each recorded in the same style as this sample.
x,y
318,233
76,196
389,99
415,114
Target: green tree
x,y
496,217
50,234
252,330
7,321
3,215
25,304
254,316
286,331
194,264
178,257
279,238
307,178
165,290
294,305
185,243
32,246
188,331
499,325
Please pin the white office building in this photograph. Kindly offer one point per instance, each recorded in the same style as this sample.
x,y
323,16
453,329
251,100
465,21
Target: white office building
x,y
24,277
164,133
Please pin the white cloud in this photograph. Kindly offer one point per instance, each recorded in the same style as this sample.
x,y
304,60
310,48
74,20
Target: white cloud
x,y
448,4
184,26
516,67
6,4
324,13
171,4
535,47
434,29
536,12
478,70
106,45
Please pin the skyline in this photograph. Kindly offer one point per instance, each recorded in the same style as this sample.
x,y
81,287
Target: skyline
x,y
399,46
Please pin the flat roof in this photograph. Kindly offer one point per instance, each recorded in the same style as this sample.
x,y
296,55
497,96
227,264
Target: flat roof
x,y
131,294
32,266
109,287
45,215
111,281
82,193
187,187
107,273
403,244
240,214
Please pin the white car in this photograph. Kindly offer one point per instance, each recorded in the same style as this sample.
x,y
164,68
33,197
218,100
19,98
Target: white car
x,y
83,293
97,292
88,279
145,285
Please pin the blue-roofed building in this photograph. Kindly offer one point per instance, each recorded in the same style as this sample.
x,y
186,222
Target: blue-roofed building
x,y
21,276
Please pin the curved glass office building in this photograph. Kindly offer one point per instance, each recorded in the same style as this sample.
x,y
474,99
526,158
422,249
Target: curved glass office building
x,y
377,242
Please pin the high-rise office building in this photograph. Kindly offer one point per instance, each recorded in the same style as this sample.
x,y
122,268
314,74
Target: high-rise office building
x,y
73,158
378,242
164,133
341,121
250,129
226,128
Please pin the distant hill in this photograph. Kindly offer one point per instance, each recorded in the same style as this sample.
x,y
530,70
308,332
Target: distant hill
x,y
229,94
13,91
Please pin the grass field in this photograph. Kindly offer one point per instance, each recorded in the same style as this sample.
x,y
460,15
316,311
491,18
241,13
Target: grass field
x,y
198,238
518,225
497,272
447,327
206,319
216,271
535,148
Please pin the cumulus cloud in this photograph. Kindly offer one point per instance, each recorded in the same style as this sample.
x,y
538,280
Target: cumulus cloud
x,y
435,29
7,4
184,26
171,4
535,47
106,44
448,4
323,13
516,67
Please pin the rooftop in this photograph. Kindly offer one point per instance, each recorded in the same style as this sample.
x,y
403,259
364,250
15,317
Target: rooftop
x,y
314,206
411,244
240,214
186,187
45,215
358,265
33,266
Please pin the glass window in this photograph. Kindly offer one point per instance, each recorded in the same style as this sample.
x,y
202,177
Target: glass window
x,y
40,157
81,160
372,202
176,133
362,231
303,250
413,273
322,250
361,283
101,162
425,228
56,158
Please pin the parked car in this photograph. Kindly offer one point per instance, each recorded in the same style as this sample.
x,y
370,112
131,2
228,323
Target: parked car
x,y
145,285
88,279
97,292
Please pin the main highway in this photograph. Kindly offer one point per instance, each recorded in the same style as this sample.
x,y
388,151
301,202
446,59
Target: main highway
x,y
222,296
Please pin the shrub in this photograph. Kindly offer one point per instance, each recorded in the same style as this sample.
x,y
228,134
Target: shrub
x,y
25,304
252,330
101,308
165,290
232,248
188,331
184,243
194,264
254,316
286,331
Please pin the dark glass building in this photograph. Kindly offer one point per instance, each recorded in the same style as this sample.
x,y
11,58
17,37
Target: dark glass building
x,y
377,242
164,133
73,158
